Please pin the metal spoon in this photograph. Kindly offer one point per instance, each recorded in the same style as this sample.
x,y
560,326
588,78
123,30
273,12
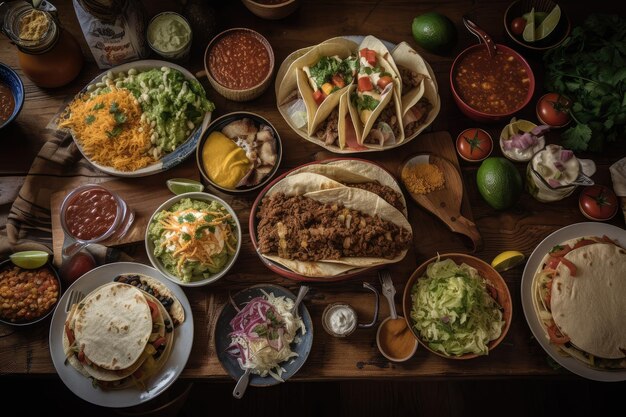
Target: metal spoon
x,y
242,384
301,293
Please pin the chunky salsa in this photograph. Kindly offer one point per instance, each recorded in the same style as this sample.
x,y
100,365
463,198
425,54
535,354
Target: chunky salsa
x,y
239,60
7,103
497,85
91,213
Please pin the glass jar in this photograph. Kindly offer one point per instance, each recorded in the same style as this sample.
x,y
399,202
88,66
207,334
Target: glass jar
x,y
49,56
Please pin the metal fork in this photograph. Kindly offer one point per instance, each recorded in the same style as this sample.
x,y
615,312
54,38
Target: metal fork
x,y
75,297
389,291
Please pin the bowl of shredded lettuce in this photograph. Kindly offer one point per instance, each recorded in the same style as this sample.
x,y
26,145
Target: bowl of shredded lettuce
x,y
457,306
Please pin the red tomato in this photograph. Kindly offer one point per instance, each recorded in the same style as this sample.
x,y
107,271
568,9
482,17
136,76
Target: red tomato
x,y
556,336
384,81
77,266
365,84
338,81
369,55
474,144
319,97
553,110
517,25
598,202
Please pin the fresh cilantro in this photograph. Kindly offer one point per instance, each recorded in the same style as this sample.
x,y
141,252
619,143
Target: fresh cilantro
x,y
90,119
556,248
208,218
98,106
323,71
364,102
115,132
119,118
200,230
590,68
260,330
189,217
186,237
367,70
114,107
181,219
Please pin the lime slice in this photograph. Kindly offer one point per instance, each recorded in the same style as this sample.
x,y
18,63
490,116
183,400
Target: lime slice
x,y
507,260
30,259
529,30
548,24
539,17
522,125
184,185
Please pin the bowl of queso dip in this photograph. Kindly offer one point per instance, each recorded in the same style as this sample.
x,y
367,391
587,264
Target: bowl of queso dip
x,y
489,89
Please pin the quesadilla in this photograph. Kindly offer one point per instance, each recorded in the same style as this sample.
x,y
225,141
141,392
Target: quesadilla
x,y
578,295
118,336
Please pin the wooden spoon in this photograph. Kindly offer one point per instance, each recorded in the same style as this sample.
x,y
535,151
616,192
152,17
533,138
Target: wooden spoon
x,y
445,203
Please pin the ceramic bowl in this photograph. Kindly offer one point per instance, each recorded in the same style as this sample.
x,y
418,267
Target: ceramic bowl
x,y
10,78
520,7
272,11
503,297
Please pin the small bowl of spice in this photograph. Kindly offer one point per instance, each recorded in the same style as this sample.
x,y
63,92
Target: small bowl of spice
x,y
169,35
239,63
395,340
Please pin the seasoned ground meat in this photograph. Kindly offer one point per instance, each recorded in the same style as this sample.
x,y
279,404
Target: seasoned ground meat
x,y
303,229
416,116
389,116
383,191
328,131
410,79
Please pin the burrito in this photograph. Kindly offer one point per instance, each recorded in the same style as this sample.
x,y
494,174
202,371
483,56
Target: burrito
x,y
578,295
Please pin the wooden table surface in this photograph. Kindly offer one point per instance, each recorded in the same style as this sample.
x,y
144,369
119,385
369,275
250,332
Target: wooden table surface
x,y
25,350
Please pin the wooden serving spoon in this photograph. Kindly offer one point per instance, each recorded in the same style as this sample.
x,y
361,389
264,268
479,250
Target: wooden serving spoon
x,y
444,203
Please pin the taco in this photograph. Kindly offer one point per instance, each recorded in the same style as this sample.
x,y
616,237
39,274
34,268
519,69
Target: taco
x,y
360,174
118,336
330,231
578,293
332,129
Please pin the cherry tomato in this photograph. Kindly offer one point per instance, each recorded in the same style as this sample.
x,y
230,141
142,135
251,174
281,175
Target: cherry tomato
x,y
517,25
365,84
598,202
553,110
77,266
474,144
384,81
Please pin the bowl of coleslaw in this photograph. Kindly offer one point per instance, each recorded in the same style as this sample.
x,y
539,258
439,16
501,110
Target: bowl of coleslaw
x,y
258,331
457,306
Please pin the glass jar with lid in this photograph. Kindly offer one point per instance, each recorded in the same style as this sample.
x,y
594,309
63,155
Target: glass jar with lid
x,y
49,56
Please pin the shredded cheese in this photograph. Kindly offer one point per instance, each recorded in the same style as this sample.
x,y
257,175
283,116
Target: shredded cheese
x,y
110,130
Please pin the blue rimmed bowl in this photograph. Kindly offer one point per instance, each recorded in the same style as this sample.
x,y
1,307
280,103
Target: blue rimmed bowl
x,y
10,78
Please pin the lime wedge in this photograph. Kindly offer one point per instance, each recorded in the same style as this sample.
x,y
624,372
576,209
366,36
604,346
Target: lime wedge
x,y
539,17
507,260
522,125
30,259
548,24
184,185
529,30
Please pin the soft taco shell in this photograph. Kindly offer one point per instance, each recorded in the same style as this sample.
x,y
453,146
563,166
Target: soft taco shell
x,y
302,183
375,44
430,94
407,57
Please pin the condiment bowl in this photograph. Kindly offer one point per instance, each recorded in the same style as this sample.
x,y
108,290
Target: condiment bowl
x,y
182,52
10,78
520,7
502,297
272,11
8,264
156,262
216,126
480,116
244,94
387,354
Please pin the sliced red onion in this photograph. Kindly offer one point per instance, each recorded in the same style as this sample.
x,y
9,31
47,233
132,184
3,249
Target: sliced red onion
x,y
553,183
522,142
559,166
566,155
540,130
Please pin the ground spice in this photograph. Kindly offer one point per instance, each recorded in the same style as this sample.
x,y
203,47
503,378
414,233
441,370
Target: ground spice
x,y
34,25
396,339
423,178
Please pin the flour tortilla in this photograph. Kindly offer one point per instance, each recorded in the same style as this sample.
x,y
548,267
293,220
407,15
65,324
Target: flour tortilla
x,y
302,183
113,326
590,307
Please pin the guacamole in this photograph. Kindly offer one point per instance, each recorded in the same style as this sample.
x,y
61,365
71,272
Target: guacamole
x,y
193,239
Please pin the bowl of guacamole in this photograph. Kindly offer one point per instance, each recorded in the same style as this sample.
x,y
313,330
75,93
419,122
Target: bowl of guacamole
x,y
193,238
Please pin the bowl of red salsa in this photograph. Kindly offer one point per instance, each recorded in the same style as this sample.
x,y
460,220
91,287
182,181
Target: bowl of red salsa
x,y
490,89
11,95
239,63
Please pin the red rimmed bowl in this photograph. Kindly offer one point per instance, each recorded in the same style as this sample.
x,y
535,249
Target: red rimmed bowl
x,y
502,297
480,115
283,271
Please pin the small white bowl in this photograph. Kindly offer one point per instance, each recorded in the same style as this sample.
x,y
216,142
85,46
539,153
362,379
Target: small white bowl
x,y
157,263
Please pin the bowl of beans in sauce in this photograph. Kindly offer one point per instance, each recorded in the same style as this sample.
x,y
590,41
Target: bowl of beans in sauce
x,y
27,296
239,63
490,89
93,214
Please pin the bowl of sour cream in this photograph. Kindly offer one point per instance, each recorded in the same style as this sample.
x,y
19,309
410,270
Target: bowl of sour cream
x,y
169,35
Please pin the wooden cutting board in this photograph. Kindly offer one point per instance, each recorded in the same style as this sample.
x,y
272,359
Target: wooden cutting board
x,y
145,194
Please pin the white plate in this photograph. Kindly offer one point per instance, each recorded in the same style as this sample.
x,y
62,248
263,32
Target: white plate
x,y
169,160
566,233
81,386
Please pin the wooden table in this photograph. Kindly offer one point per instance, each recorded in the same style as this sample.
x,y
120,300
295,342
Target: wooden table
x,y
25,350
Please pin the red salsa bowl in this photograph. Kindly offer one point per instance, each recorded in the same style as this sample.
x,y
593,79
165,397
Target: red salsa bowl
x,y
491,89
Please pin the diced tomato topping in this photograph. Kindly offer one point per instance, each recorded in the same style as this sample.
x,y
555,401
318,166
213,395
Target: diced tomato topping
x,y
556,336
81,356
70,334
338,81
607,239
548,299
570,265
158,342
319,97
561,252
553,263
154,310
365,84
384,81
584,242
369,55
